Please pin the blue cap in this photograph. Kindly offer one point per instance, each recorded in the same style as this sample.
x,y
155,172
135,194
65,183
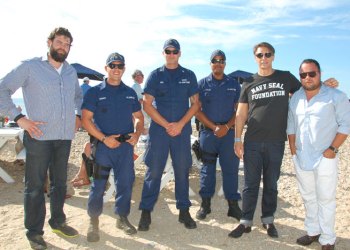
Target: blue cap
x,y
171,43
115,57
218,53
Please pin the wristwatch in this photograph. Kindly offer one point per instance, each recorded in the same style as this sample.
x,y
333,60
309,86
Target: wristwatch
x,y
335,150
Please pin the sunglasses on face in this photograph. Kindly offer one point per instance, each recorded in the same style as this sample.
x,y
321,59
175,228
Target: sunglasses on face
x,y
168,51
310,74
119,66
215,61
261,55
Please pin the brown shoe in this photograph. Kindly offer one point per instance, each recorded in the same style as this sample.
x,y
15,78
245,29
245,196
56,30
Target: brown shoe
x,y
307,240
327,247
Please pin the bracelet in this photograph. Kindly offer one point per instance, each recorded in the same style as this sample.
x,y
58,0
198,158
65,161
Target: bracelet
x,y
227,127
238,140
18,117
104,138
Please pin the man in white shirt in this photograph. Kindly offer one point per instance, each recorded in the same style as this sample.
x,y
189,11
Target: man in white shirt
x,y
318,124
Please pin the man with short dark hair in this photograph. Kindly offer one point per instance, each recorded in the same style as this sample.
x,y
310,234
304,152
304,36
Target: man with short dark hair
x,y
263,107
318,124
52,99
218,92
108,113
171,87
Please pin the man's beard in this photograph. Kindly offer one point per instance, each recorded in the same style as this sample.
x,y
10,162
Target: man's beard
x,y
58,57
312,87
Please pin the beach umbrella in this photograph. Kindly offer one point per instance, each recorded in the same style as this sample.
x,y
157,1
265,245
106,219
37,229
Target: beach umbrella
x,y
84,71
240,75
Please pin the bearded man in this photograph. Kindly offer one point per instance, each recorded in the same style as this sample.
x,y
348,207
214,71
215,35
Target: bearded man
x,y
52,99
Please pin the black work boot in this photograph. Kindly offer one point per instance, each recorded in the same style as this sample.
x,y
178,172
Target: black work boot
x,y
93,234
145,220
124,224
204,209
234,210
185,217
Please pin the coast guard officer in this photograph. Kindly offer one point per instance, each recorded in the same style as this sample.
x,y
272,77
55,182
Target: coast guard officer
x,y
170,86
108,111
218,95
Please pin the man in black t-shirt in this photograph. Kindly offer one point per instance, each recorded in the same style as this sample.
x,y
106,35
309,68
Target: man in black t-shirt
x,y
263,106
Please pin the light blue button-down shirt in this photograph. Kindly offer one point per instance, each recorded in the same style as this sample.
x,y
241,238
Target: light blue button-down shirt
x,y
85,87
49,96
316,123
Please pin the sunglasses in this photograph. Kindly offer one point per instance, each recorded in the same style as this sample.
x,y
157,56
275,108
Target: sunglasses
x,y
215,61
310,74
168,52
119,66
261,55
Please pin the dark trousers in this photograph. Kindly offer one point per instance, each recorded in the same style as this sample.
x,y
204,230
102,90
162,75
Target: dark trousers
x,y
42,156
261,158
229,162
121,161
159,146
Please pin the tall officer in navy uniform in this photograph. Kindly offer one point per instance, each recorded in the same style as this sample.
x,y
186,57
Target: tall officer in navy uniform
x,y
171,87
219,96
107,114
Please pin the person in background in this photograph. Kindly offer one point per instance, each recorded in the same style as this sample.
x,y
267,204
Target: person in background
x,y
85,86
138,77
82,178
109,112
218,92
49,126
171,87
263,107
318,124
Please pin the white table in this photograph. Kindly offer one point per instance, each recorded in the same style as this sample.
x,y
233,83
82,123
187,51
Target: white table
x,y
7,134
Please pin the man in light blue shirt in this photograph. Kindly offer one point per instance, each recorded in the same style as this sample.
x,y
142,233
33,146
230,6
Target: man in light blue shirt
x,y
52,98
85,86
318,124
138,77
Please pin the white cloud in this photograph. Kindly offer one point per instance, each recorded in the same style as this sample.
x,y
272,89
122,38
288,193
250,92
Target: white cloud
x,y
137,29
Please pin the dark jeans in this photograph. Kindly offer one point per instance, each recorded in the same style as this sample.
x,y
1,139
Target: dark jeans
x,y
41,156
264,159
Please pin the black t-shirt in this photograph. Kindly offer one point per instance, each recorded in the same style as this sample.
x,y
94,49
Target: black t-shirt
x,y
267,98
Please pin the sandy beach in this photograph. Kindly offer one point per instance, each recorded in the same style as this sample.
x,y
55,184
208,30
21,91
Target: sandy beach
x,y
165,231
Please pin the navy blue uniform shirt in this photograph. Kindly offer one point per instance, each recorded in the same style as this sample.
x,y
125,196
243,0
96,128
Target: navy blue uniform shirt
x,y
112,107
171,92
218,97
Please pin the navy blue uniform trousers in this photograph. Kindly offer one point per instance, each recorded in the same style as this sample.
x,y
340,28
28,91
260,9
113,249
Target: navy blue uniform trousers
x,y
121,161
160,144
228,160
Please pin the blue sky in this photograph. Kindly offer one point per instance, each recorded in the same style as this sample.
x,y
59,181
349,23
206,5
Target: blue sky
x,y
298,29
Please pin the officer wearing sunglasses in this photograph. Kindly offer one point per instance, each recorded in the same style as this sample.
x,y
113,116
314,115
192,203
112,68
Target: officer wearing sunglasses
x,y
108,113
171,87
218,95
263,107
